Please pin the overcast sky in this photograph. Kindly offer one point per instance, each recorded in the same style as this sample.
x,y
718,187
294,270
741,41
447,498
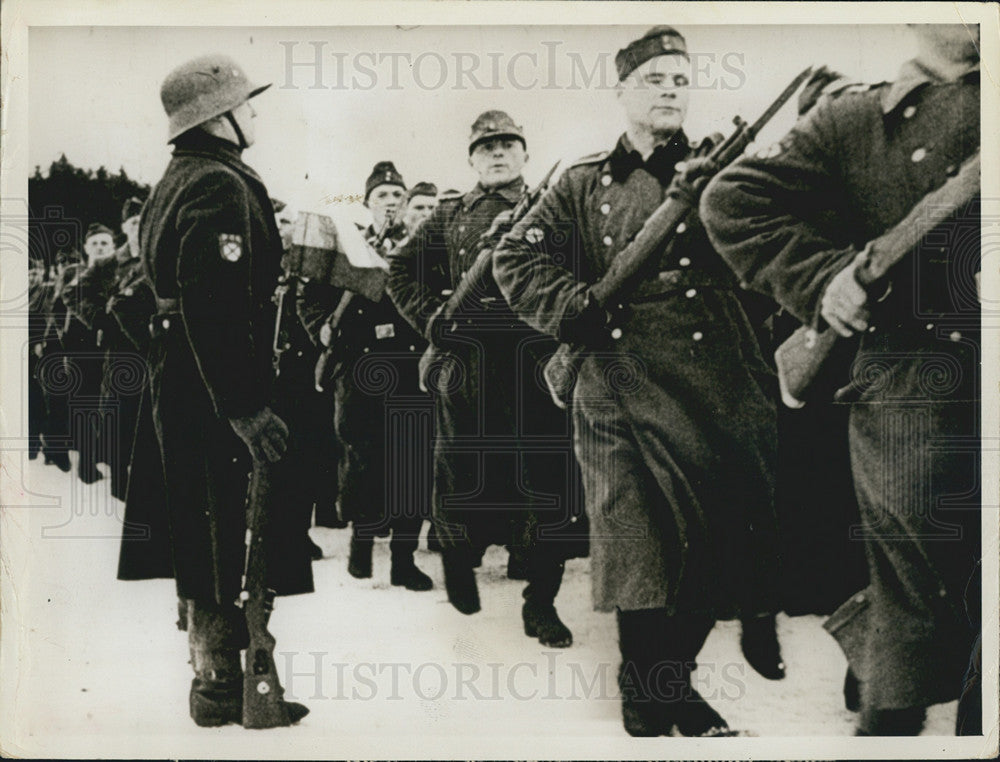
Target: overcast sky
x,y
408,94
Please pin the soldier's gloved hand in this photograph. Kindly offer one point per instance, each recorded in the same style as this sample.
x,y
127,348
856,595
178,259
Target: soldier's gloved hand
x,y
500,226
691,178
264,434
587,325
844,302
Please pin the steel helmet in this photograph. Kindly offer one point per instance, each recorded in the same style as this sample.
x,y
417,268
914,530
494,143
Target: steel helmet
x,y
202,89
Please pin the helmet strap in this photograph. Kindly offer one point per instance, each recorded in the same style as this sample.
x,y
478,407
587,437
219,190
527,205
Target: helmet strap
x,y
236,129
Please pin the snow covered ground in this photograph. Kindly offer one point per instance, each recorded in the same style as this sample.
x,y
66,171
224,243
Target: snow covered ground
x,y
103,670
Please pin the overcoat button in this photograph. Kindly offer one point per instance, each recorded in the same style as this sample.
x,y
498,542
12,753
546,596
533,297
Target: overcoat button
x,y
128,292
413,348
605,180
930,326
919,155
166,323
684,261
605,208
690,292
955,336
299,353
909,111
697,336
460,253
681,228
366,350
951,170
608,240
616,333
859,598
361,312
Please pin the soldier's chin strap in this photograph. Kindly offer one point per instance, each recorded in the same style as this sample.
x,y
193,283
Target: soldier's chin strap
x,y
236,128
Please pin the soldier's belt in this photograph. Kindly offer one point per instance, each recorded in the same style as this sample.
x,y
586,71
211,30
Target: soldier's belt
x,y
667,282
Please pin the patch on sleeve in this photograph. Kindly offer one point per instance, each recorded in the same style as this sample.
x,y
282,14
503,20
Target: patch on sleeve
x,y
230,246
534,235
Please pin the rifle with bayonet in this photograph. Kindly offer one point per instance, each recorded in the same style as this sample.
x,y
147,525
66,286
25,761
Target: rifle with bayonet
x,y
630,265
813,364
477,277
345,301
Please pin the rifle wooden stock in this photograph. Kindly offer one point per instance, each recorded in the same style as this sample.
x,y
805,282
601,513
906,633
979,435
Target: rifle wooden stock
x,y
813,365
630,264
263,705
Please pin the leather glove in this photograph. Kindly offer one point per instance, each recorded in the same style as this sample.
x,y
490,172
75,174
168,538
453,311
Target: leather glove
x,y
844,302
588,325
686,186
264,434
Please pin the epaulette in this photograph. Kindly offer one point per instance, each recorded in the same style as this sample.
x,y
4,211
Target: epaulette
x,y
593,158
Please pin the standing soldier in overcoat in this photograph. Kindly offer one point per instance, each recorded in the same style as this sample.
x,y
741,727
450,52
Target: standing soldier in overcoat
x,y
211,249
795,221
503,454
124,372
674,422
384,482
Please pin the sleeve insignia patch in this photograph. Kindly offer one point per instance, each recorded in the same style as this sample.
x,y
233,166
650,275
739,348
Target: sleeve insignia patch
x,y
534,235
230,246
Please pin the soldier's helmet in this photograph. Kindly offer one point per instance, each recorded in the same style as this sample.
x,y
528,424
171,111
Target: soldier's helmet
x,y
202,89
494,124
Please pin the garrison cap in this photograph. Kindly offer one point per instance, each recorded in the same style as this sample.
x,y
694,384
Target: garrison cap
x,y
494,124
204,88
96,228
658,41
422,189
131,208
384,173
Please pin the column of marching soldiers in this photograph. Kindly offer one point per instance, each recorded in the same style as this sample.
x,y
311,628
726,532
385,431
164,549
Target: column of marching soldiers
x,y
425,399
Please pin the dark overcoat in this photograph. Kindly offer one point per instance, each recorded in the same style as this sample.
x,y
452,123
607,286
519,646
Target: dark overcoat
x,y
211,249
675,427
791,217
504,470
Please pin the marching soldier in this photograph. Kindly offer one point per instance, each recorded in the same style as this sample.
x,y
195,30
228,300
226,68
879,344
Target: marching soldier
x,y
490,485
797,221
211,250
369,339
672,409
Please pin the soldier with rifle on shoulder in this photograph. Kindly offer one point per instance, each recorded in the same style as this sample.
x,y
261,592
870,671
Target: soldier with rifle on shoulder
x,y
865,220
670,395
503,467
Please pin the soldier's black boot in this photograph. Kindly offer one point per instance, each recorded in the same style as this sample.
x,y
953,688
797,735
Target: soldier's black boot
x,y
539,612
404,572
460,578
759,641
641,715
217,689
891,722
58,459
359,563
